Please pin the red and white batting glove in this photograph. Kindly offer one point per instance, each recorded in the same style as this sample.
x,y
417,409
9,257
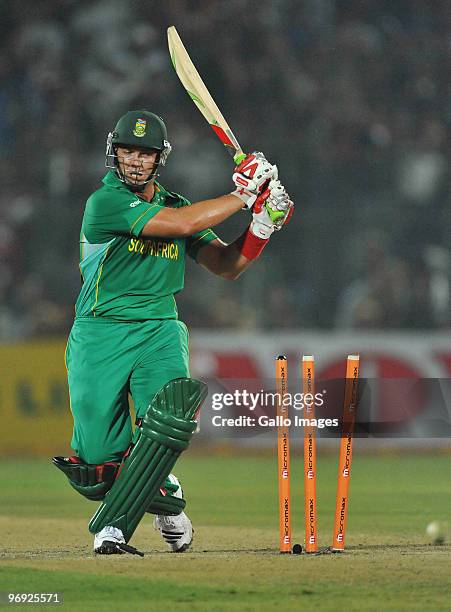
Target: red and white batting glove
x,y
251,176
272,210
278,205
270,213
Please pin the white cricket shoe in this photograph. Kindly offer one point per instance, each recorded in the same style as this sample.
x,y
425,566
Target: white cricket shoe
x,y
106,541
111,541
177,531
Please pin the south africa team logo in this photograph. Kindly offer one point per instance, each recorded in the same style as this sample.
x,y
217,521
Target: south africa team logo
x,y
140,128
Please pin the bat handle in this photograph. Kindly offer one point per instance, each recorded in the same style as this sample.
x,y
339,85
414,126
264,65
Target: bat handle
x,y
238,157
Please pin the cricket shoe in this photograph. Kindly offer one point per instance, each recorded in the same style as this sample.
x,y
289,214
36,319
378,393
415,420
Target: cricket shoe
x,y
177,531
110,541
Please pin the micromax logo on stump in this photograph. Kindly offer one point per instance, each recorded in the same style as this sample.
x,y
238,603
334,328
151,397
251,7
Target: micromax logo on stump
x,y
285,457
312,521
346,469
342,519
310,471
286,517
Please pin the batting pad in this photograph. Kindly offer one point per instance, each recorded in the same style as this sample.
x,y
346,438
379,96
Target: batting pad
x,y
165,432
167,505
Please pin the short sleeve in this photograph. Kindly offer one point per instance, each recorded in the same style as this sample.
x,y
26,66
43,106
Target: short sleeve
x,y
110,213
197,241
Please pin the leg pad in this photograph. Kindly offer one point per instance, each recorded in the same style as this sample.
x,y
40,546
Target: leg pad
x,y
165,432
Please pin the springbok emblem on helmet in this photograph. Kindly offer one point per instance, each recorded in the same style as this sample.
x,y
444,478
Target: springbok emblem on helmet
x,y
140,128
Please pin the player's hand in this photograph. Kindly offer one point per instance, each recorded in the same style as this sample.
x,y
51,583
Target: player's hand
x,y
271,211
251,177
278,205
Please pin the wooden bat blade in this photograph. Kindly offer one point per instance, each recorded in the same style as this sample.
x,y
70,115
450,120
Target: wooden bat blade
x,y
199,94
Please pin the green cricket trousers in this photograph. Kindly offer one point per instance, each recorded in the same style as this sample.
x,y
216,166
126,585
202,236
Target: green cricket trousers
x,y
106,361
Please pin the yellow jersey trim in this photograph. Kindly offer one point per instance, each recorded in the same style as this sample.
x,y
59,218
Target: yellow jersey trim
x,y
141,216
209,231
98,281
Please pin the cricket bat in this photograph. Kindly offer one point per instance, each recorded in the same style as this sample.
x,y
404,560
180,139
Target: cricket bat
x,y
200,95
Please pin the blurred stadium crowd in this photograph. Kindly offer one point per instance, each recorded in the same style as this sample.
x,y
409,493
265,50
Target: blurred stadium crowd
x,y
352,99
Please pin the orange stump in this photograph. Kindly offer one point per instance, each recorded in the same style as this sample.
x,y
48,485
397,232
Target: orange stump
x,y
345,457
283,455
310,507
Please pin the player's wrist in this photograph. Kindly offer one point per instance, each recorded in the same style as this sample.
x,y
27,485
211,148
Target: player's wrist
x,y
250,245
261,230
247,198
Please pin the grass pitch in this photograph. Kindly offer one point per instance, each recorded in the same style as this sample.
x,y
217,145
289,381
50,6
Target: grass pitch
x,y
234,563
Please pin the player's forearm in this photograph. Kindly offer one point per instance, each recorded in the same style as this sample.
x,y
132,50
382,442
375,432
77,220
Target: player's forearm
x,y
231,263
186,221
226,260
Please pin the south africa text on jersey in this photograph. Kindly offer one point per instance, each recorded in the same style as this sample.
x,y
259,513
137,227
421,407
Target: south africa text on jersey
x,y
156,248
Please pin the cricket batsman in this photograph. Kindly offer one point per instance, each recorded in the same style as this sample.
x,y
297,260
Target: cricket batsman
x,y
127,338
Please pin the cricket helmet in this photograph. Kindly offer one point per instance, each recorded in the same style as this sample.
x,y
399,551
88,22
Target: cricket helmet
x,y
141,129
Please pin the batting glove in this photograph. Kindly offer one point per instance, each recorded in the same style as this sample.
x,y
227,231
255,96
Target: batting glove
x,y
278,205
251,177
271,211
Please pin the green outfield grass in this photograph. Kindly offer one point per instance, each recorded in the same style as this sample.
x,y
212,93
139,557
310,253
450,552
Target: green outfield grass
x,y
234,564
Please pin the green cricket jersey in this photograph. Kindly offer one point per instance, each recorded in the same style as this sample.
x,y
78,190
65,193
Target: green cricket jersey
x,y
126,277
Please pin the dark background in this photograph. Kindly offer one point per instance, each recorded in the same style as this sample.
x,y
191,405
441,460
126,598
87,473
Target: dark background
x,y
352,100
